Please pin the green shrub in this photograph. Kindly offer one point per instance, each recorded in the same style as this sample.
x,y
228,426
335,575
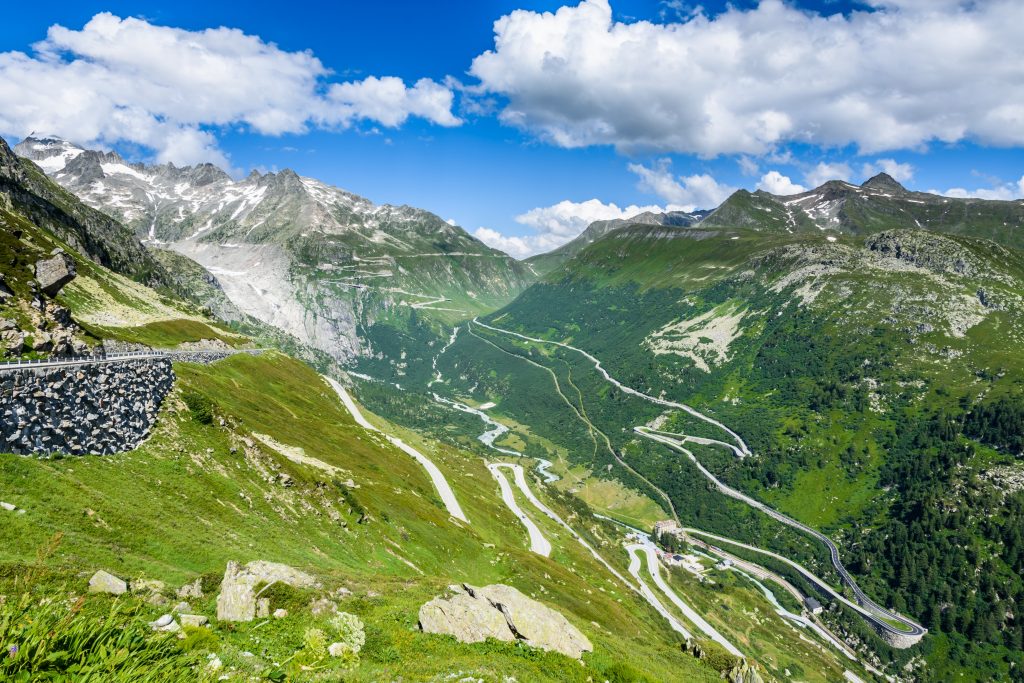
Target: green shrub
x,y
623,673
200,406
716,657
314,644
199,639
283,596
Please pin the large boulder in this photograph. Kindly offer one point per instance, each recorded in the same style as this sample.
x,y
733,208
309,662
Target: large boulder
x,y
503,613
53,273
105,582
11,341
537,624
237,599
463,616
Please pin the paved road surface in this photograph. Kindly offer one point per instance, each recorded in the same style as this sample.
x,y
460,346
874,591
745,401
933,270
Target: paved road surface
x,y
436,476
538,543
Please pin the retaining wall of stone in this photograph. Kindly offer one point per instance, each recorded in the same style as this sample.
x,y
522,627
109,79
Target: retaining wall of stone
x,y
99,408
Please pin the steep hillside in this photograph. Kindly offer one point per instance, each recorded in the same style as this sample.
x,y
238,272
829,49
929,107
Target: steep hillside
x,y
880,203
258,458
321,264
282,473
27,192
875,378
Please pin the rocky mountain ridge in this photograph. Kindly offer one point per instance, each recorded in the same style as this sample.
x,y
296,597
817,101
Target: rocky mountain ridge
x,y
880,203
319,263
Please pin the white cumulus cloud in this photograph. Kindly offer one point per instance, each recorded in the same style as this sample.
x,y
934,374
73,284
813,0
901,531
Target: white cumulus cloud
x,y
1000,190
388,101
749,80
776,183
125,79
552,226
699,191
899,172
825,171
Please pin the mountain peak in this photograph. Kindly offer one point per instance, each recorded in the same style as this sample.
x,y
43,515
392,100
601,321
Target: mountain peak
x,y
49,152
883,181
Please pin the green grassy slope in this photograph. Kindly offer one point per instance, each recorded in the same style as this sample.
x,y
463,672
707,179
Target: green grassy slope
x,y
854,366
195,496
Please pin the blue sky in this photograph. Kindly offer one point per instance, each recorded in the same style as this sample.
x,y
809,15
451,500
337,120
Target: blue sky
x,y
569,108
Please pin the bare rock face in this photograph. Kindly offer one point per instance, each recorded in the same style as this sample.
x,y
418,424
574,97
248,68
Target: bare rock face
x,y
238,600
468,619
191,590
53,273
743,673
105,582
503,613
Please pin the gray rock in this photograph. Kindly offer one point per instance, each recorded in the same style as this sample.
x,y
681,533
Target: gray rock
x,y
503,613
323,607
193,620
147,586
162,621
12,340
743,673
280,613
193,590
468,619
105,582
537,624
237,599
53,273
41,341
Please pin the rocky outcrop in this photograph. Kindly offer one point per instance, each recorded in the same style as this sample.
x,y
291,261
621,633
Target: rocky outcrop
x,y
743,673
48,327
99,408
468,619
926,250
87,231
105,582
238,598
53,273
503,613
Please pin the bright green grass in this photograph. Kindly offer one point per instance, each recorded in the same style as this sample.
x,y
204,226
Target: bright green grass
x,y
184,504
167,333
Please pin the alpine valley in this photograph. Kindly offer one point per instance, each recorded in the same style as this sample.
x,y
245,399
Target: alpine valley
x,y
277,432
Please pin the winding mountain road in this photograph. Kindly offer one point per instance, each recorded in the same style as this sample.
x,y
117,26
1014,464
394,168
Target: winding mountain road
x,y
865,606
904,635
648,549
626,389
635,565
444,490
538,543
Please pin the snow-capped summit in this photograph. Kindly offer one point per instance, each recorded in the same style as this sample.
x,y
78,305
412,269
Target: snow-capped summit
x,y
50,152
291,251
